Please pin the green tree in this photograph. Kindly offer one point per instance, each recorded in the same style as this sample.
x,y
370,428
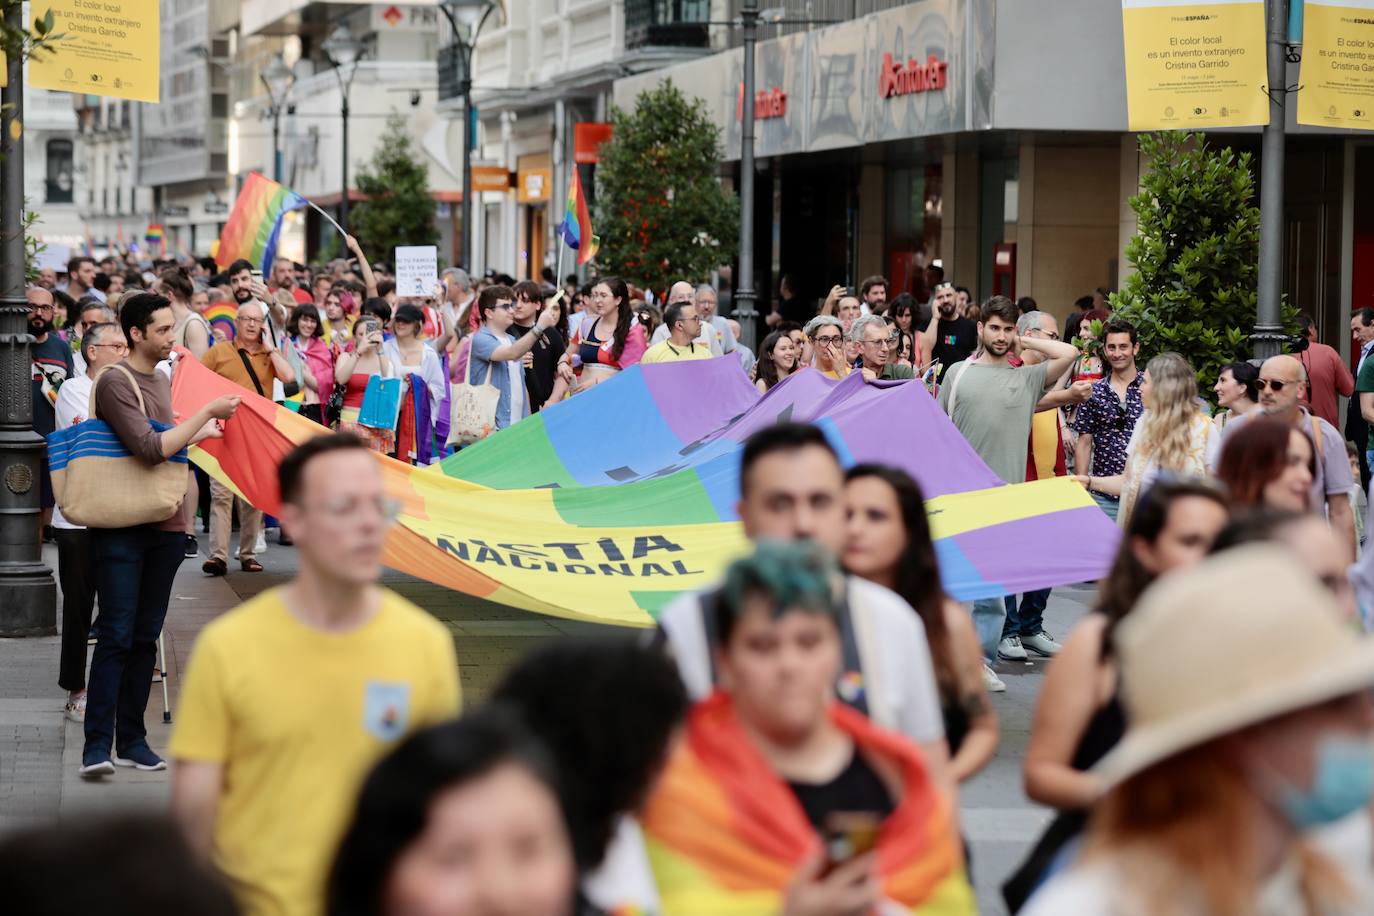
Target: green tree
x,y
1196,255
661,212
399,209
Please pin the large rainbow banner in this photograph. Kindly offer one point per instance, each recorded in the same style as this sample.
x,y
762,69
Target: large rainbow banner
x,y
607,506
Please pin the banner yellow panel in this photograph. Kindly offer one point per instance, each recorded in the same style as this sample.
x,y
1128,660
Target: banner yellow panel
x,y
1194,65
110,48
1337,65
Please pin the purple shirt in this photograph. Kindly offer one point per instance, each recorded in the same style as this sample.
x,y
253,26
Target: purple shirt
x,y
1110,422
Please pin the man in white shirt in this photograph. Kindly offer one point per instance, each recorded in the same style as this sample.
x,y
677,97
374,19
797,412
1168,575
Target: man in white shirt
x,y
792,487
102,345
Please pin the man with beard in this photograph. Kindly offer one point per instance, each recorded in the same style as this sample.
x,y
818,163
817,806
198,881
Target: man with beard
x,y
81,279
1105,421
52,365
874,292
992,403
284,278
949,338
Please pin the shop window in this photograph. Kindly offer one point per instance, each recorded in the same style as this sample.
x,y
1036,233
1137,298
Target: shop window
x,y
59,185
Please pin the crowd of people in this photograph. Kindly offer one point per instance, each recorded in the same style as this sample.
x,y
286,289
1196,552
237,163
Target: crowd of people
x,y
790,740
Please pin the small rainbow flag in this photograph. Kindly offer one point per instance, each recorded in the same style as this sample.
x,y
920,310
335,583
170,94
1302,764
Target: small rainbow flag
x,y
221,318
577,222
155,237
252,230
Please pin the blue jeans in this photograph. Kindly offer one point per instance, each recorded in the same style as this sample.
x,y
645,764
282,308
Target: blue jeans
x,y
134,569
1030,618
1107,504
989,617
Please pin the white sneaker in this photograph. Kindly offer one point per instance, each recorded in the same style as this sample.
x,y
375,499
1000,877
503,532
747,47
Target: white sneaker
x,y
75,709
260,545
1010,649
992,682
1041,643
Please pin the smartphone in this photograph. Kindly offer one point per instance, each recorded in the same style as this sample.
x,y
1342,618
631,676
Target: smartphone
x,y
848,834
257,275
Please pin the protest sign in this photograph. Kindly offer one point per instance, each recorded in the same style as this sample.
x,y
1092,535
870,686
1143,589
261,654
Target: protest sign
x,y
417,270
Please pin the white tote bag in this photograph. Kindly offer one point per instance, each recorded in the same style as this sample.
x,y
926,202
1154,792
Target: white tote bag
x,y
473,415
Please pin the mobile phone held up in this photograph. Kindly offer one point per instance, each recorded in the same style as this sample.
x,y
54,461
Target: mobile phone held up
x,y
257,275
848,834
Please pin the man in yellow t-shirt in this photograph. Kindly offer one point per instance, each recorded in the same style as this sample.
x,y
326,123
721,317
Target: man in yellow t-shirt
x,y
683,327
290,698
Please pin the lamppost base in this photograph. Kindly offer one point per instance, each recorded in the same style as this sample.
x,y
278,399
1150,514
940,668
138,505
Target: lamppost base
x,y
28,594
1268,340
28,597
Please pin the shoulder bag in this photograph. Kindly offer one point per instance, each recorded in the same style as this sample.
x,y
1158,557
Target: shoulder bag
x,y
98,483
473,415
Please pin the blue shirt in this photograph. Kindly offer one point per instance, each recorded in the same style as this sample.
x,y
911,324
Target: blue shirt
x,y
1110,422
513,405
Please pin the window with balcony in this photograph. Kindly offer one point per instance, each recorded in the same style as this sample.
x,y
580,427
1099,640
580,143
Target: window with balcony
x,y
59,185
679,23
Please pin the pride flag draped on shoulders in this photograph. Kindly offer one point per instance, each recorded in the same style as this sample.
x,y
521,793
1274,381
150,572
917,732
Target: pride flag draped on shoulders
x,y
725,835
253,227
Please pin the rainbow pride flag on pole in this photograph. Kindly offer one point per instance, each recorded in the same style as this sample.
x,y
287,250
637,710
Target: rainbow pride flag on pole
x,y
156,238
576,227
607,506
255,223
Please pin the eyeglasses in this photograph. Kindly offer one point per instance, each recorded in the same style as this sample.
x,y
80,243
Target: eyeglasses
x,y
41,308
114,346
878,343
249,320
828,339
1277,384
504,305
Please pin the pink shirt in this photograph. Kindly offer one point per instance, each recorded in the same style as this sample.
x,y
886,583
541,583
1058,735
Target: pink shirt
x,y
1327,375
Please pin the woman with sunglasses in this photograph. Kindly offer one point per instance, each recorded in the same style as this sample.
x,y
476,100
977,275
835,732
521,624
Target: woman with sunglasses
x,y
1078,716
1172,434
609,338
1237,392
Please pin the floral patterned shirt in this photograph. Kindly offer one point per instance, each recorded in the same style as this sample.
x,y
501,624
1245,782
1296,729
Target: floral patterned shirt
x,y
1110,422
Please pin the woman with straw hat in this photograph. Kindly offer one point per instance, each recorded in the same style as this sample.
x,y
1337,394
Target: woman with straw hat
x,y
1233,753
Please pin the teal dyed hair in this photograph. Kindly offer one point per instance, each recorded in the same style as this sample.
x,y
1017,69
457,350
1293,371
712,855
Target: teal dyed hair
x,y
795,575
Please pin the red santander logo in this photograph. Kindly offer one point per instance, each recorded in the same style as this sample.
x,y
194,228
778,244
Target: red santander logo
x,y
895,78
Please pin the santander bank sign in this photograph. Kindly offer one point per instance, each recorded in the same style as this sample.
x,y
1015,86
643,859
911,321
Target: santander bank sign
x,y
896,78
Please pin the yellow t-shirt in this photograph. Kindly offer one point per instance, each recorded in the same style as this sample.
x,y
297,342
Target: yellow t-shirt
x,y
297,717
665,351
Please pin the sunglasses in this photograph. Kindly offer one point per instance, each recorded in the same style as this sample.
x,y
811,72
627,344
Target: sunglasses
x,y
1120,416
1277,384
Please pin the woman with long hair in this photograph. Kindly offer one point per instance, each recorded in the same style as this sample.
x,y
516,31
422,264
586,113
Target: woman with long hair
x,y
1229,763
415,361
1237,392
1078,716
459,818
888,541
780,798
306,333
609,337
777,360
1171,435
1268,463
902,314
353,369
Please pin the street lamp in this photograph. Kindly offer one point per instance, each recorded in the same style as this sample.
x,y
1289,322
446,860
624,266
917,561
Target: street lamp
x,y
470,15
343,50
278,79
744,296
28,594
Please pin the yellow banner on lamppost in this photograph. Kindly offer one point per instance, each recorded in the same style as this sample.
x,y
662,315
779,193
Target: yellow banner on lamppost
x,y
109,47
1193,65
1337,64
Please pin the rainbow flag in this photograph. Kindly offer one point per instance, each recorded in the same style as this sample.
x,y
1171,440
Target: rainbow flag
x,y
724,834
221,318
155,237
576,226
607,506
255,222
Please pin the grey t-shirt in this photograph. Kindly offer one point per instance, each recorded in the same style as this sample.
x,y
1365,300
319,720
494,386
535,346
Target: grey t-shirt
x,y
993,406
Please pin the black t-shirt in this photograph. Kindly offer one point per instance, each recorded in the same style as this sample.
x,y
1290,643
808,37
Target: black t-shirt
x,y
52,360
539,379
857,788
955,340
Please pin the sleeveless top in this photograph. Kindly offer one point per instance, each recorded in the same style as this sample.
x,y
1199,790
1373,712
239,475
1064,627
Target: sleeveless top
x,y
180,336
356,388
590,348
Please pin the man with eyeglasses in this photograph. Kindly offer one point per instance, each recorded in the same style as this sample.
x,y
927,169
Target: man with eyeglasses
x,y
827,346
102,345
1105,421
875,340
1281,384
250,361
52,365
366,669
680,318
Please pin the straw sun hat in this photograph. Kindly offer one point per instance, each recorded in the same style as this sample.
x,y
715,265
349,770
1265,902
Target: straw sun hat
x,y
1261,638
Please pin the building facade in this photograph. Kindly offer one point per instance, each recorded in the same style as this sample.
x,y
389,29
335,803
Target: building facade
x,y
51,169
988,139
